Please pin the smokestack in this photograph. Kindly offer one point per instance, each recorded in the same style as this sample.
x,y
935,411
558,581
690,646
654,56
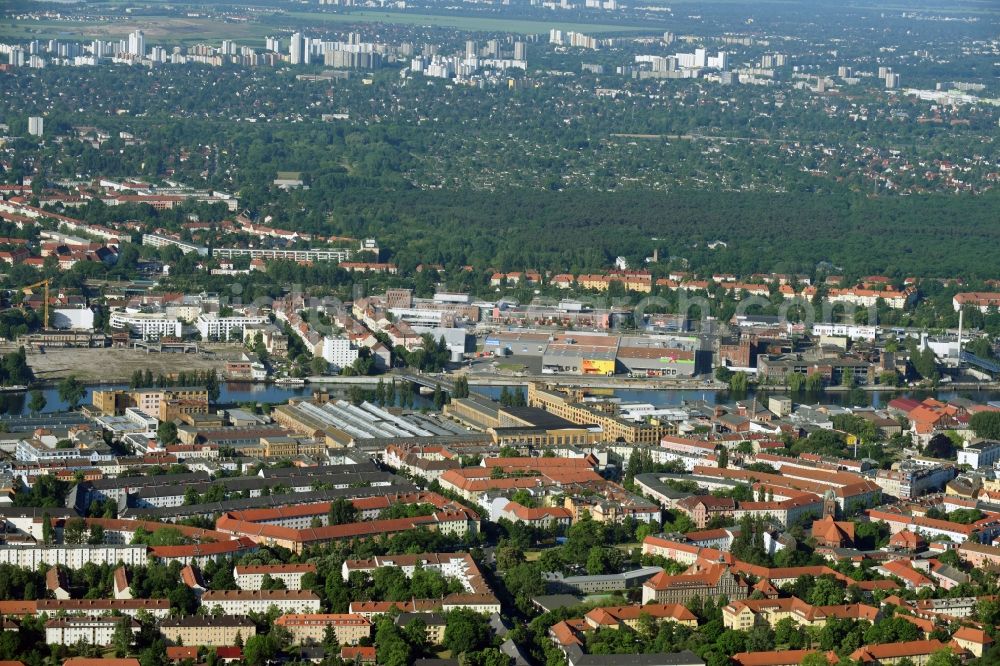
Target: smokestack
x,y
960,315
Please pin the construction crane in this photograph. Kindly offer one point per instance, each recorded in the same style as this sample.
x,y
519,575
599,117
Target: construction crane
x,y
45,306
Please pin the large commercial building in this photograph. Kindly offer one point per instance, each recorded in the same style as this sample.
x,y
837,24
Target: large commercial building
x,y
344,424
614,428
532,426
162,403
662,361
579,359
776,368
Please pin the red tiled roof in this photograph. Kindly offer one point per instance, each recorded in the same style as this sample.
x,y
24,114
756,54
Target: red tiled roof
x,y
250,569
829,529
229,652
564,634
331,619
179,652
359,652
973,635
18,607
278,595
875,653
539,513
203,549
776,658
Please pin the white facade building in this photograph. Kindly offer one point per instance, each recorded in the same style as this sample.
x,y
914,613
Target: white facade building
x,y
137,43
980,454
36,125
241,602
158,240
91,630
338,352
852,331
296,49
318,254
251,577
33,452
73,557
141,419
148,325
211,325
73,318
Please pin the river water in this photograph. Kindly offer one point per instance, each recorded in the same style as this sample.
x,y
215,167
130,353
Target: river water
x,y
236,393
230,393
673,397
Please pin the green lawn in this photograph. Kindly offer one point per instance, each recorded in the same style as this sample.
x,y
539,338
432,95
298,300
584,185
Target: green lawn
x,y
473,23
160,30
171,30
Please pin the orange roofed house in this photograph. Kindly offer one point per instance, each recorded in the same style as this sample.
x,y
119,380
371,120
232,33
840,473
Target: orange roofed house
x,y
974,640
359,654
917,652
777,658
310,628
614,616
749,613
831,533
702,508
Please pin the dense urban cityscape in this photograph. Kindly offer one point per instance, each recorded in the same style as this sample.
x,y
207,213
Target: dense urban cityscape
x,y
500,333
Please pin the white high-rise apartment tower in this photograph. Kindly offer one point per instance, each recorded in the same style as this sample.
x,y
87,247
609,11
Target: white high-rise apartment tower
x,y
137,43
295,49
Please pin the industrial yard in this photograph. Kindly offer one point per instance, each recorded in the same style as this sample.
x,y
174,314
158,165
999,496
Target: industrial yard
x,y
118,364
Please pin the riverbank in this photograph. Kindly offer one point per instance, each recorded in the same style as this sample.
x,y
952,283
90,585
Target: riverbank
x,y
645,383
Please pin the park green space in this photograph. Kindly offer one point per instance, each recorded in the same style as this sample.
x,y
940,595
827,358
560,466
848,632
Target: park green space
x,y
158,29
472,23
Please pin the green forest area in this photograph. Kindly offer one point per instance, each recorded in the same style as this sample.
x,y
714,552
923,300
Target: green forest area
x,y
933,235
